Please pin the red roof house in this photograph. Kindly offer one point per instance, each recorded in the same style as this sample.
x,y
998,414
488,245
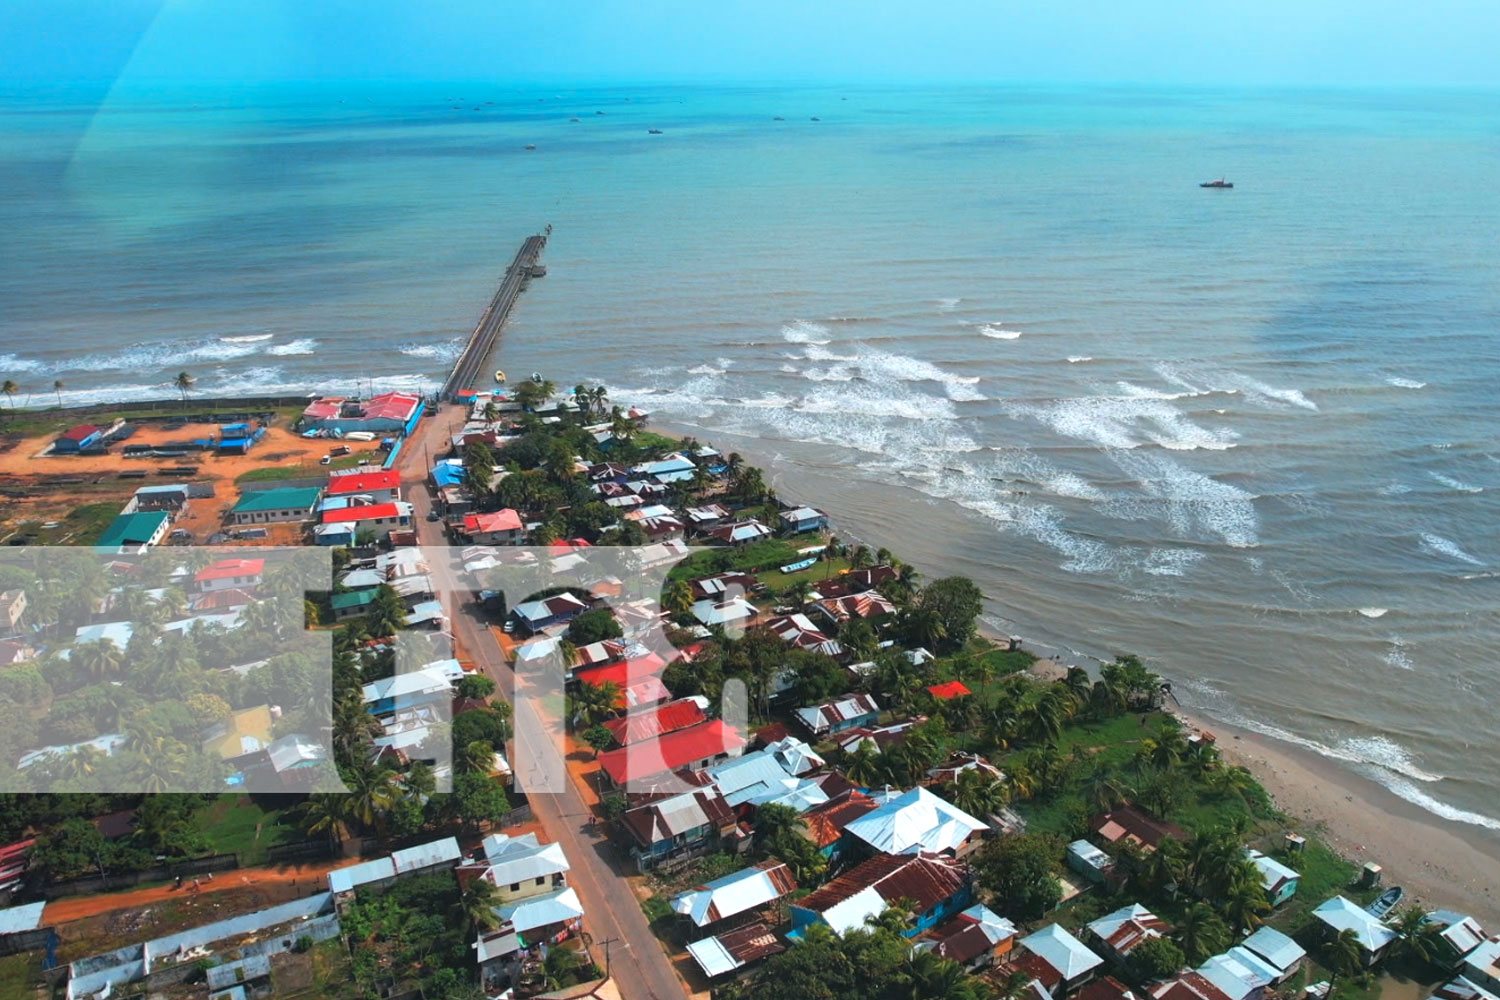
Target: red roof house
x,y
696,746
364,482
949,690
648,724
369,512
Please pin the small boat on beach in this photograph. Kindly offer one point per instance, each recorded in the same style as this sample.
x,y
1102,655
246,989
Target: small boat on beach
x,y
1387,902
1220,183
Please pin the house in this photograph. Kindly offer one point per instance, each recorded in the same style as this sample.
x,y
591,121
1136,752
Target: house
x,y
559,609
877,738
746,891
657,720
976,938
739,533
431,685
1277,951
734,611
1462,988
949,690
245,731
1130,823
1279,881
1236,977
696,747
1090,862
1459,935
674,468
686,825
734,950
276,506
724,586
706,518
12,607
227,573
1106,988
800,519
914,822
385,413
854,711
935,888
551,917
1058,959
1339,914
293,763
798,631
824,824
758,778
76,439
501,527
380,518
351,603
381,486
1482,965
518,867
132,534
957,764
860,580
1187,985
795,756
865,606
1119,933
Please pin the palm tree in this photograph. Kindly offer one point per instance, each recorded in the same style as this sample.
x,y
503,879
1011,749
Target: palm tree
x,y
935,978
1245,904
82,762
977,792
593,703
10,389
184,383
923,626
1345,956
1078,684
1164,867
1104,790
478,757
861,558
57,386
677,597
477,905
100,659
371,795
862,767
774,822
1418,935
327,814
1200,933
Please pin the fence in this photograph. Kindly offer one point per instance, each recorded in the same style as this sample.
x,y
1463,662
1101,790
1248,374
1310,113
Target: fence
x,y
299,851
32,940
125,880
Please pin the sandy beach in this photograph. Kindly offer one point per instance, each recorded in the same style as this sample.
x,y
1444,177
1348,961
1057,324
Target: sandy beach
x,y
1437,864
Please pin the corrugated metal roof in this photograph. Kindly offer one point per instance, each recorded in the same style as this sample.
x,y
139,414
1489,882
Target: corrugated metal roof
x,y
16,919
541,911
426,855
1341,914
1062,951
928,880
916,821
745,890
735,949
1276,948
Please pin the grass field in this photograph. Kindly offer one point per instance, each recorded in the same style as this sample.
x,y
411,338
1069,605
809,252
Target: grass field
x,y
237,824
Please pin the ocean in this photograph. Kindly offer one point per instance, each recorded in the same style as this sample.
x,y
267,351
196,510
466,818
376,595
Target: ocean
x,y
1244,433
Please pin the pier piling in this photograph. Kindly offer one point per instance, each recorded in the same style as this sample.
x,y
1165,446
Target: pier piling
x,y
487,331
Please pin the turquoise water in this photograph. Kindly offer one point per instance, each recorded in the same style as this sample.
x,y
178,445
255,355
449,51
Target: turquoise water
x,y
1246,433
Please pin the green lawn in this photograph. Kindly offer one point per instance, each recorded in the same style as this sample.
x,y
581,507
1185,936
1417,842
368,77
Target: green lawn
x,y
779,583
86,524
271,474
237,824
20,976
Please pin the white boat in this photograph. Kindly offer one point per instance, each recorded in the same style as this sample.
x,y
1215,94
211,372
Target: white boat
x,y
359,436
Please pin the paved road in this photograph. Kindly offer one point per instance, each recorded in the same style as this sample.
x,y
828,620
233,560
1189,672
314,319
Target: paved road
x,y
612,913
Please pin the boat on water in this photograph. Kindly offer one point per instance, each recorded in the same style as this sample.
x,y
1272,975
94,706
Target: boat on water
x,y
530,146
653,131
500,376
1220,183
1386,902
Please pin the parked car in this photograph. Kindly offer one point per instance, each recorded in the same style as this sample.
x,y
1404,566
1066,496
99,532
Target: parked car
x,y
326,460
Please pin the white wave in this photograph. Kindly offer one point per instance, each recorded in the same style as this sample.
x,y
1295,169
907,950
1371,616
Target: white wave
x,y
706,370
1132,391
1395,654
1128,422
1075,359
448,351
145,358
254,338
295,348
1171,562
995,331
1375,751
1437,807
1373,612
947,305
805,332
1447,547
11,363
818,353
1218,380
1069,484
1405,383
1455,484
1192,503
1394,489
888,370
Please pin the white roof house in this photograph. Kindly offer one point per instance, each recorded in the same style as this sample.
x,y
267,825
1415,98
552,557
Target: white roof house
x,y
745,890
541,911
438,852
1264,971
1276,949
1062,951
725,953
760,777
736,609
1234,979
18,919
352,876
854,913
916,821
994,927
1462,932
1128,927
1273,874
1344,915
522,859
795,756
408,689
1483,964
837,715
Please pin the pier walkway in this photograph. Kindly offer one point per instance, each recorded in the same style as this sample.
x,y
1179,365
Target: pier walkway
x,y
487,331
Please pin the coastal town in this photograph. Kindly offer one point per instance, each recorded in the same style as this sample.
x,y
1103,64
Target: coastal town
x,y
829,782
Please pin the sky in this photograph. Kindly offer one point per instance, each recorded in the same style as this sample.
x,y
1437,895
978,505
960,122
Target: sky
x,y
1262,42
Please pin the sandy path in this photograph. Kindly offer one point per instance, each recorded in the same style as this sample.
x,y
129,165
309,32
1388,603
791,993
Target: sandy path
x,y
295,880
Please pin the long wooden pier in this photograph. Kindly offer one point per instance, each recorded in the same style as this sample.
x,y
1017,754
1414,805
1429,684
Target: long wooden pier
x,y
487,331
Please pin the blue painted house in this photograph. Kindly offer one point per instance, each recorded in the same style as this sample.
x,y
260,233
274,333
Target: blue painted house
x,y
79,438
936,888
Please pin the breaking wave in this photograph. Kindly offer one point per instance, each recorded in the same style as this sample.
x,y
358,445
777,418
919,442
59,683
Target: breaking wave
x,y
1447,547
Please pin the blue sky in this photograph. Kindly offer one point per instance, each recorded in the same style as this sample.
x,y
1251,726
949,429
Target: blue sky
x,y
1164,41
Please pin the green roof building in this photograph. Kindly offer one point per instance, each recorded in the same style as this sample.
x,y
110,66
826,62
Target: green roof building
x,y
351,602
131,533
288,503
